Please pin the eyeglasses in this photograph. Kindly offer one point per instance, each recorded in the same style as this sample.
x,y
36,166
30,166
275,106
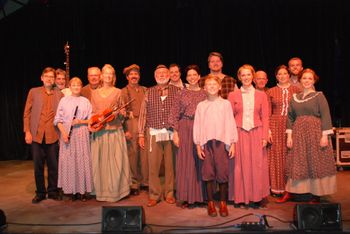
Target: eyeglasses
x,y
108,73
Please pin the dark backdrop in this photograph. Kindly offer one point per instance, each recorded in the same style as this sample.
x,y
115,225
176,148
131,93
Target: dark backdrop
x,y
264,33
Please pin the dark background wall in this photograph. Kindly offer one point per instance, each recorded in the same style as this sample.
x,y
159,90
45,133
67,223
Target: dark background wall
x,y
264,33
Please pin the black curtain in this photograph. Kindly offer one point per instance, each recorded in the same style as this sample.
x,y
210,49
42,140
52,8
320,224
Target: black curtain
x,y
263,33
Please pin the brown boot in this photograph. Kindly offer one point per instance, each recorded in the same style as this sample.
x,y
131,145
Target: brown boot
x,y
223,209
286,197
211,209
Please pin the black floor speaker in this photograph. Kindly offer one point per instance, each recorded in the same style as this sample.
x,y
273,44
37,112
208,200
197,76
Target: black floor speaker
x,y
122,219
321,217
2,220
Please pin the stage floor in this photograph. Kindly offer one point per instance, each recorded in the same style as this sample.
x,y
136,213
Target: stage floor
x,y
17,189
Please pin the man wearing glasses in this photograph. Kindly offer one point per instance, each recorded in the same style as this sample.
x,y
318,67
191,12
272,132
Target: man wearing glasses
x,y
40,133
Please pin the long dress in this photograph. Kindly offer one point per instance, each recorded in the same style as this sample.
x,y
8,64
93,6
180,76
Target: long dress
x,y
74,167
110,163
310,168
279,102
188,174
249,179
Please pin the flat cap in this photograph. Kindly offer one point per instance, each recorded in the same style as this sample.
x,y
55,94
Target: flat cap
x,y
128,69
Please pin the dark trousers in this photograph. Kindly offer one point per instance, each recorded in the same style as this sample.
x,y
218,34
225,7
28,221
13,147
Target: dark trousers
x,y
45,153
216,161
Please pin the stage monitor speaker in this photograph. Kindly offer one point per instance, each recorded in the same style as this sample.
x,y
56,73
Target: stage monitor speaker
x,y
2,220
122,219
325,217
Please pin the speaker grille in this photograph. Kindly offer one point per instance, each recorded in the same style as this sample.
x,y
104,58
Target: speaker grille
x,y
311,217
122,219
318,216
113,219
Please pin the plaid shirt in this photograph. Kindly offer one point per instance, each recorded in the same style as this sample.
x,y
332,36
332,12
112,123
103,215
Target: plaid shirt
x,y
154,112
228,84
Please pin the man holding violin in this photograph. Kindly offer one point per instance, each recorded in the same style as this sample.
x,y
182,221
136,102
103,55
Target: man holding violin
x,y
155,132
137,157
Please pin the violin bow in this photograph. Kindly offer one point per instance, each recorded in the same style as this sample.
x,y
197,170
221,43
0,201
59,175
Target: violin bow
x,y
115,109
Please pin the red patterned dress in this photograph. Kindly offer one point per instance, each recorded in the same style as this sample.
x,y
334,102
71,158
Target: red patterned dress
x,y
279,102
310,168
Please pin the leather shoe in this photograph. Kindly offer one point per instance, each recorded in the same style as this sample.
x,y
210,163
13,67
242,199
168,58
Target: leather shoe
x,y
223,209
184,205
170,200
75,197
83,197
53,196
286,197
152,202
211,209
254,205
276,195
38,199
134,192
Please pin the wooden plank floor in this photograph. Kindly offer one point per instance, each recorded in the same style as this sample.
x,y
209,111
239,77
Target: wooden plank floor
x,y
17,189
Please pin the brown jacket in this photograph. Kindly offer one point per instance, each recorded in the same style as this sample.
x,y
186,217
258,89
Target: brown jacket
x,y
33,108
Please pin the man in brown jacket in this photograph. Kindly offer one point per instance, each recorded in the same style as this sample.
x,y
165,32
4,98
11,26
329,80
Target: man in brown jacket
x,y
137,157
39,113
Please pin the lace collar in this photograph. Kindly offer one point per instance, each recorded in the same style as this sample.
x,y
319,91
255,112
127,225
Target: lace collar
x,y
283,87
298,97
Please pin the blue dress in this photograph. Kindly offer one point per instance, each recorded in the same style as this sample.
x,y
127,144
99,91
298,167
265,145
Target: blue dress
x,y
74,166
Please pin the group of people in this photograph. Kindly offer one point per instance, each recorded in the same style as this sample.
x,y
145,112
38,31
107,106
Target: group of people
x,y
209,136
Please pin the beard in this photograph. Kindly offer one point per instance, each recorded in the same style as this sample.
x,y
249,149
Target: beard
x,y
162,81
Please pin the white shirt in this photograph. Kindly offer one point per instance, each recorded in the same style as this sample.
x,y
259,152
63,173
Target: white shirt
x,y
248,107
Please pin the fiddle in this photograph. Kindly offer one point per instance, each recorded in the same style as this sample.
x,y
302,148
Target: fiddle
x,y
98,121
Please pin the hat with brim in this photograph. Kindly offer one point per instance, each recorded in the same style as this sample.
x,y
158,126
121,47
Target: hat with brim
x,y
133,67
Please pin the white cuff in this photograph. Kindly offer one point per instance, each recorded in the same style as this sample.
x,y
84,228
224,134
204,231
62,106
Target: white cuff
x,y
328,132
